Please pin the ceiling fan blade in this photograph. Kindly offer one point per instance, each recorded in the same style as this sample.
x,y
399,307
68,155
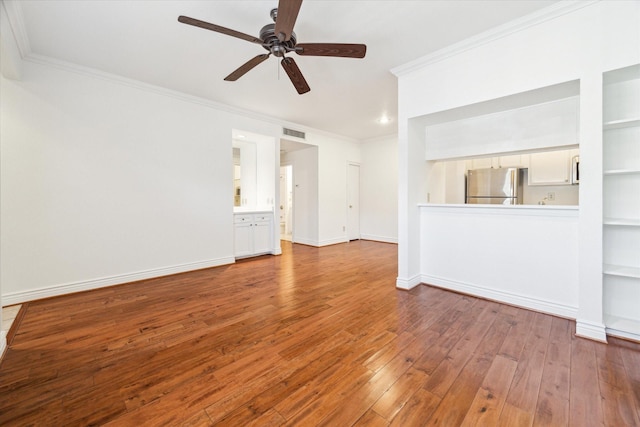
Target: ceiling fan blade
x,y
218,29
286,19
343,50
246,67
295,75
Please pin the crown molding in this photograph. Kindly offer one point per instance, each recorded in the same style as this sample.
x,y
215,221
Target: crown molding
x,y
158,90
16,21
548,13
382,138
15,16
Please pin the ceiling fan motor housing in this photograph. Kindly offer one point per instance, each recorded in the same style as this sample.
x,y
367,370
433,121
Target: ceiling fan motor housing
x,y
280,44
271,42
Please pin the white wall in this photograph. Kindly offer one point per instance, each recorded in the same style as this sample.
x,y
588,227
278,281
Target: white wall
x,y
333,157
320,188
379,189
105,182
525,255
566,42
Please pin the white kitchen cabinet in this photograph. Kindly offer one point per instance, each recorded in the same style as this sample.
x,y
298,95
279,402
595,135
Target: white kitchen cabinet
x,y
621,202
253,234
482,163
510,161
513,161
551,167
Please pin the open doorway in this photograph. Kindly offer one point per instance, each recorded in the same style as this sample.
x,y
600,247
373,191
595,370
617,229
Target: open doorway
x,y
286,202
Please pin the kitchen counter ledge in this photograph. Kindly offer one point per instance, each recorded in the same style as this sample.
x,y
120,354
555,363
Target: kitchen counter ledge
x,y
537,210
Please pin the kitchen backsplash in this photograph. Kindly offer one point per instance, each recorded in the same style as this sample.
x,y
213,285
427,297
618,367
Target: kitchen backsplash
x,y
548,194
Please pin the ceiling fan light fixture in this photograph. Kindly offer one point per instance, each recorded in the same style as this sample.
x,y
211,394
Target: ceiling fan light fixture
x,y
279,39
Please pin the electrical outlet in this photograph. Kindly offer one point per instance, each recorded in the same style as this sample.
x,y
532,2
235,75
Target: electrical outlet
x,y
551,196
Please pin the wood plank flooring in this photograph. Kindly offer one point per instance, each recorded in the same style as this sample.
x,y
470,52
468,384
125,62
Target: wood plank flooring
x,y
317,336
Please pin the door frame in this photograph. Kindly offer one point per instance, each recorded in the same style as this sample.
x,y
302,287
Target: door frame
x,y
293,203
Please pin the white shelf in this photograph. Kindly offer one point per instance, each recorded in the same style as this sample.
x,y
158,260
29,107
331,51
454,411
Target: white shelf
x,y
621,172
627,222
623,271
622,327
621,283
619,124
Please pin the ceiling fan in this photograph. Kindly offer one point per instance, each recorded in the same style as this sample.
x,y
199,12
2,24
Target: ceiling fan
x,y
279,39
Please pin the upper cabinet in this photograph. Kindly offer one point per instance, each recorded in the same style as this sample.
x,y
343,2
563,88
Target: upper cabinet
x,y
510,161
552,167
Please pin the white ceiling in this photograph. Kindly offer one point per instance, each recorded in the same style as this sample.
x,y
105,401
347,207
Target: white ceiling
x,y
142,40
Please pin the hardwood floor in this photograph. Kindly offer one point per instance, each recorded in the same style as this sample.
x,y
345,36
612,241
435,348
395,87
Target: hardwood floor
x,y
312,337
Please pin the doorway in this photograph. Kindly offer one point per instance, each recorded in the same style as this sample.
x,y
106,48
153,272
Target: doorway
x,y
353,201
286,202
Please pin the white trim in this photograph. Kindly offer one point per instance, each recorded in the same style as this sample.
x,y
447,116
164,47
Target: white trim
x,y
381,138
307,242
3,343
548,13
67,288
591,330
528,302
408,283
622,334
158,90
570,211
376,238
334,241
16,21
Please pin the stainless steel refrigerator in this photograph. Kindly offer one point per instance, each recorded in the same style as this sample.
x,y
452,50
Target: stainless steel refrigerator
x,y
500,186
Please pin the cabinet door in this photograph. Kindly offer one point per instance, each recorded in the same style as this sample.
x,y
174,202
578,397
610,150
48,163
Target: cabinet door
x,y
243,237
261,237
483,163
550,168
514,161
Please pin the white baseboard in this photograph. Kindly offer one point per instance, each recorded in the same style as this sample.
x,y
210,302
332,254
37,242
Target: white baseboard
x,y
307,242
67,288
3,343
591,330
320,243
622,334
377,238
536,304
408,282
334,241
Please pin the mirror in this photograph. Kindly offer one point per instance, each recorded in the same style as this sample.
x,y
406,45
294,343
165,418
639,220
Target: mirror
x,y
244,173
237,174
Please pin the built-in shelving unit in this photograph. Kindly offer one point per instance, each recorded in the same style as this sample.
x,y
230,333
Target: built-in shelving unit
x,y
621,202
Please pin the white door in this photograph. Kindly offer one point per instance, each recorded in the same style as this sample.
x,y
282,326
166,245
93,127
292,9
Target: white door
x,y
353,202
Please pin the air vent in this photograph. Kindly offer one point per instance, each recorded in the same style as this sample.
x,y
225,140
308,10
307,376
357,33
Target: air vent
x,y
291,132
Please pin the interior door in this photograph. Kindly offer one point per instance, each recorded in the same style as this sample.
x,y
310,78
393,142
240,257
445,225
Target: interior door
x,y
353,202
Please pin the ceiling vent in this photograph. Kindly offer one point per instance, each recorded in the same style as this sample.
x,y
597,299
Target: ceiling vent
x,y
291,132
